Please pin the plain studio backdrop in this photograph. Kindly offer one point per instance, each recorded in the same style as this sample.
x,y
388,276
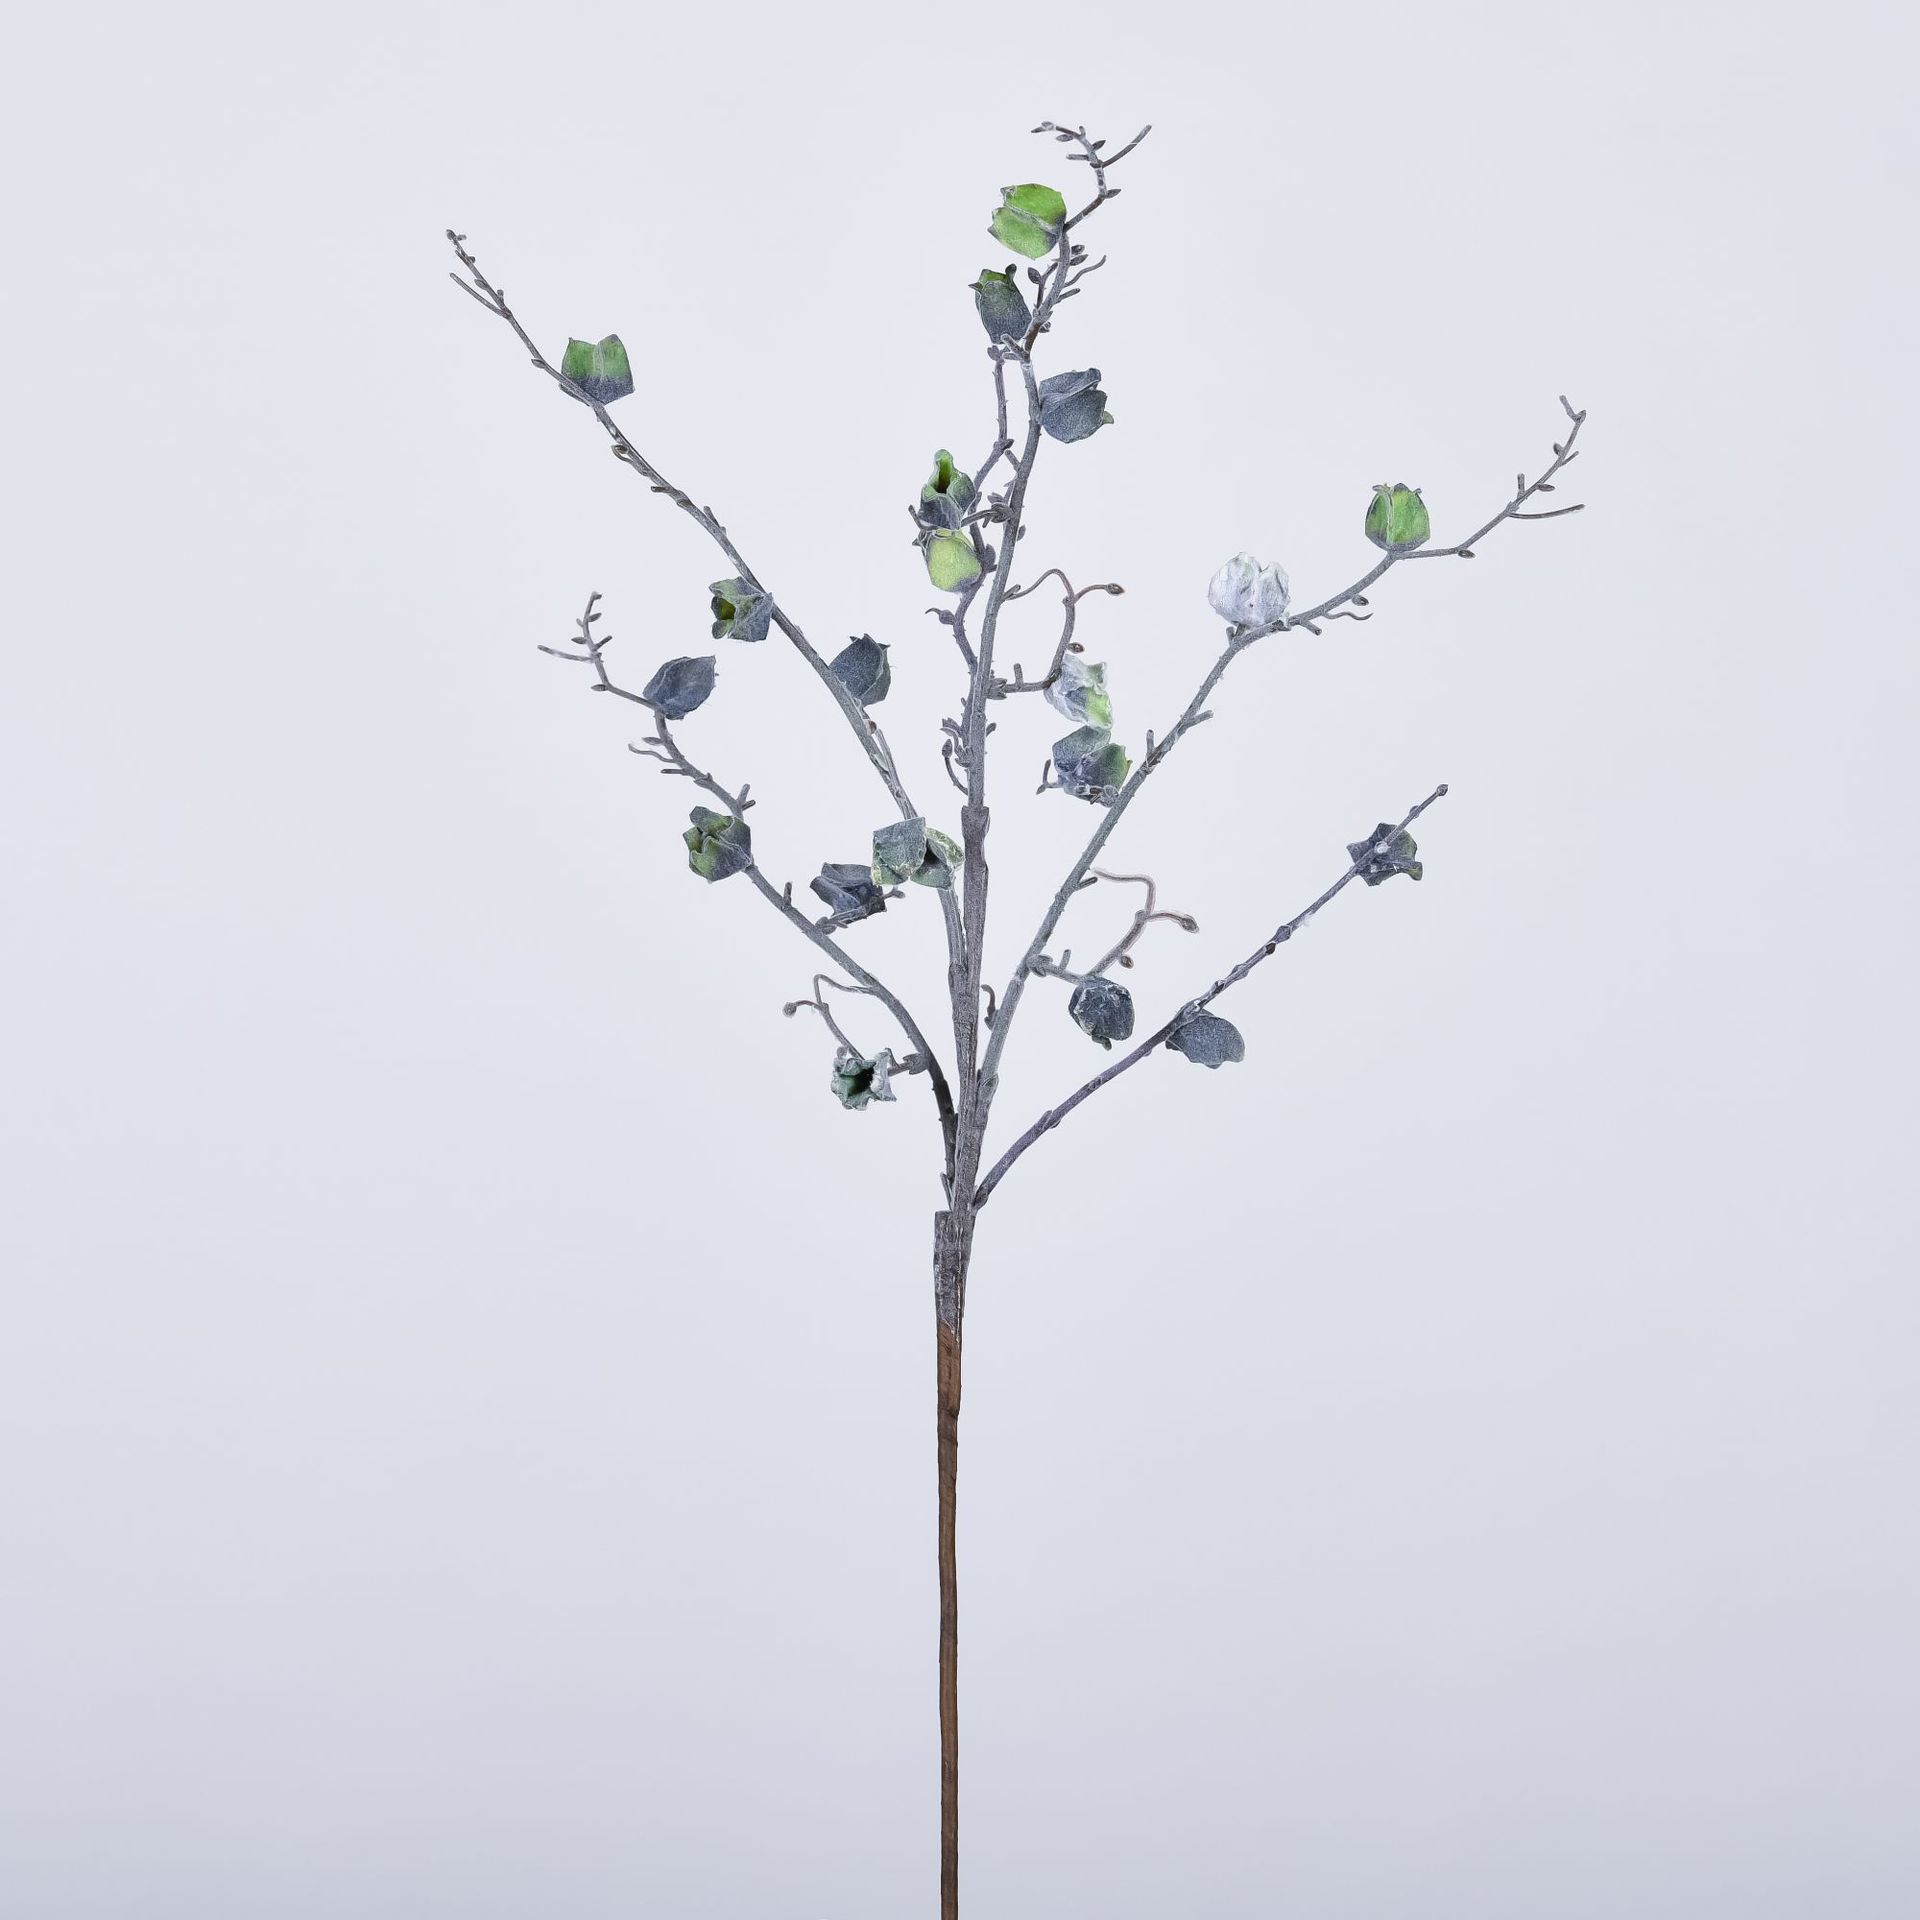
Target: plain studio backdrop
x,y
466,1398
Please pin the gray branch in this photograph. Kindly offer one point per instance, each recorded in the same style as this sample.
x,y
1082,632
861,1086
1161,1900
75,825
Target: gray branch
x,y
866,729
661,745
1267,948
1238,641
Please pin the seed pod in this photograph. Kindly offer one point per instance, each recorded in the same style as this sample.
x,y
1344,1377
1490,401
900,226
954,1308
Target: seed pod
x,y
1397,519
1002,306
1207,1040
1029,220
679,686
1103,1010
599,370
717,844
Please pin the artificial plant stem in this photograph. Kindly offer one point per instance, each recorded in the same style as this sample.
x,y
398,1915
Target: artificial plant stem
x,y
951,1237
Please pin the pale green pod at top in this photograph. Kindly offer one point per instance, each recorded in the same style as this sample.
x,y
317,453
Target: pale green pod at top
x,y
1029,220
1397,519
947,488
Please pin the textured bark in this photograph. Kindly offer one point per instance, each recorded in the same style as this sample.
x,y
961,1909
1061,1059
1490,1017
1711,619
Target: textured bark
x,y
950,1249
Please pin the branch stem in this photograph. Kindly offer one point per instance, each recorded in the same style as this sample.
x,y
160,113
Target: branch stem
x,y
1267,948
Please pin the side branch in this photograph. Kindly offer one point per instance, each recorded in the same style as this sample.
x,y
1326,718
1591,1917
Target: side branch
x,y
866,730
661,745
1238,641
1268,947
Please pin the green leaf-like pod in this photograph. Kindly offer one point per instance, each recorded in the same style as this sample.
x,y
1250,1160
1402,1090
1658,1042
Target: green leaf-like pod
x,y
717,844
740,611
1397,519
861,667
1079,691
679,686
1376,862
1029,220
905,850
947,495
1207,1040
858,1081
1103,1010
1072,407
849,892
599,370
1091,765
951,560
1002,306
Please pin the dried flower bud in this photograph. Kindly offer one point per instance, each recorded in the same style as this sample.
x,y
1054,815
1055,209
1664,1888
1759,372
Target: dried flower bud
x,y
1246,594
849,892
1079,691
857,1080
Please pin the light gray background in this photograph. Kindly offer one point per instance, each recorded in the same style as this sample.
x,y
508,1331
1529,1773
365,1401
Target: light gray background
x,y
466,1391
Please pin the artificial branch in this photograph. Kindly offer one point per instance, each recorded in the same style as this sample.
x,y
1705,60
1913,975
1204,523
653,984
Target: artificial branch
x,y
970,531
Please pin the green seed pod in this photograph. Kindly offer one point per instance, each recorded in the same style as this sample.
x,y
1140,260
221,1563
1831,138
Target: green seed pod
x,y
1030,220
600,370
717,844
1397,519
951,560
